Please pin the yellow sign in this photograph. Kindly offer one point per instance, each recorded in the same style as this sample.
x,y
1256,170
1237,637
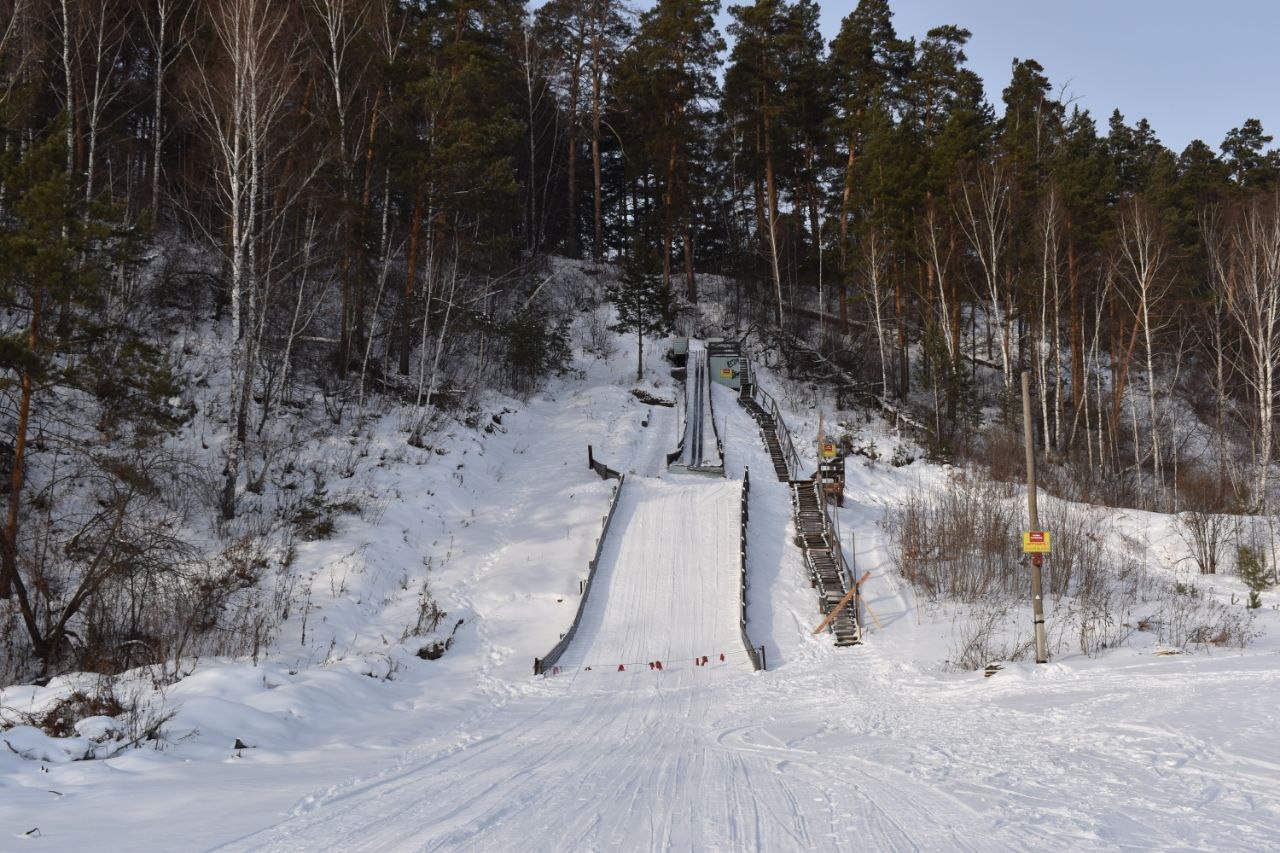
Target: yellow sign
x,y
1035,542
828,450
726,373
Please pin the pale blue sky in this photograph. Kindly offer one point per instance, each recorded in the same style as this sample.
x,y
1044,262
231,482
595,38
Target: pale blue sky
x,y
1194,69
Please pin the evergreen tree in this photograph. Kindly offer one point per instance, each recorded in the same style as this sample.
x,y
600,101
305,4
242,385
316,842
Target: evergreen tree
x,y
41,245
1136,155
1203,181
586,39
755,104
669,89
642,301
1082,175
946,102
807,100
1243,150
868,66
56,259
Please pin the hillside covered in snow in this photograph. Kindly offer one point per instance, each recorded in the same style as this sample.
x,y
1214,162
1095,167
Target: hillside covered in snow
x,y
396,706
564,425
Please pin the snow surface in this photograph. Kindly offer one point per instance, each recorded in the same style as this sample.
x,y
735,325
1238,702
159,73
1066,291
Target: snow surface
x,y
667,586
355,743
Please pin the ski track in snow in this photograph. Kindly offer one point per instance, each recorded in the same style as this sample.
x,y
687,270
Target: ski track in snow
x,y
830,749
667,585
836,750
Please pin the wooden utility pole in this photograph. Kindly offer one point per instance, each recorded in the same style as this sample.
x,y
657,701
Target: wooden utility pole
x,y
1037,592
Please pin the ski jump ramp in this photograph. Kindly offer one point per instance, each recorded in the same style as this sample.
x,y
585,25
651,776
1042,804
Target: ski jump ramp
x,y
700,449
667,584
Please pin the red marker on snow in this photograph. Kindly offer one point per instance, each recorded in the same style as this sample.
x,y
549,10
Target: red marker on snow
x,y
658,664
621,668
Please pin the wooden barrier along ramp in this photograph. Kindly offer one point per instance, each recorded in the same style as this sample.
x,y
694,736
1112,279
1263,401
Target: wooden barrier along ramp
x,y
667,584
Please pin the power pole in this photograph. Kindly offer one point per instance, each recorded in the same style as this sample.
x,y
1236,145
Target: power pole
x,y
1037,560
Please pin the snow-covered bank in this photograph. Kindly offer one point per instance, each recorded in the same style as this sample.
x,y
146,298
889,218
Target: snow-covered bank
x,y
880,746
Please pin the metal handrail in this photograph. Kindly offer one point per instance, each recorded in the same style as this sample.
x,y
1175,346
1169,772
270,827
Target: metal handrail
x,y
832,530
780,428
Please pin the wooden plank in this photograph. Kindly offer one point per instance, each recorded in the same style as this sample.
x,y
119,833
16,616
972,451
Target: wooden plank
x,y
836,610
844,603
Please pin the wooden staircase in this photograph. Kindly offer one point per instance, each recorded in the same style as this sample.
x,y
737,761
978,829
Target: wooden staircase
x,y
814,530
769,430
825,561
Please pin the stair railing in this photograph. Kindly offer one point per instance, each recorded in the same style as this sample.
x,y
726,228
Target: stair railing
x,y
765,400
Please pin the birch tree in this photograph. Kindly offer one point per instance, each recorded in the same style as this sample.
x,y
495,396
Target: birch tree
x,y
873,259
1143,254
1245,265
240,93
166,32
982,208
104,42
1048,345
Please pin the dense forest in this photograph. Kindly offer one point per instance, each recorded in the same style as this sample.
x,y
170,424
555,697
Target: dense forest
x,y
359,198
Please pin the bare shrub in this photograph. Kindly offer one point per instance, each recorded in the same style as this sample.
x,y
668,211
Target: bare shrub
x,y
1207,536
60,718
980,637
139,714
999,453
959,543
1076,547
1107,590
1204,526
599,340
1185,618
102,553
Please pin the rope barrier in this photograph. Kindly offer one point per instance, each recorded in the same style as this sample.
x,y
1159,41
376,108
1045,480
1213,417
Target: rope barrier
x,y
653,665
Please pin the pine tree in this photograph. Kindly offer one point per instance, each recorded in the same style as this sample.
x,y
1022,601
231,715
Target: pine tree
x,y
1136,155
807,103
40,248
869,64
669,92
755,103
642,301
1251,564
1243,149
1082,175
56,258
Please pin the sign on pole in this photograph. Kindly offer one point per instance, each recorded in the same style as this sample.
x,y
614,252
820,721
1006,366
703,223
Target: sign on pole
x,y
828,450
1035,542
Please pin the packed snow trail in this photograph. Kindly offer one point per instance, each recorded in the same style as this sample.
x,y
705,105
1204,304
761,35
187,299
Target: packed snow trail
x,y
667,585
835,749
698,449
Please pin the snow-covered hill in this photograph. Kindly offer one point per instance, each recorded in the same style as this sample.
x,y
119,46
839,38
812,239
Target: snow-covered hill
x,y
349,740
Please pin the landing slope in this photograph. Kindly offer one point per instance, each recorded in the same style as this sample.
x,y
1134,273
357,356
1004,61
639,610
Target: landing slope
x,y
667,585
